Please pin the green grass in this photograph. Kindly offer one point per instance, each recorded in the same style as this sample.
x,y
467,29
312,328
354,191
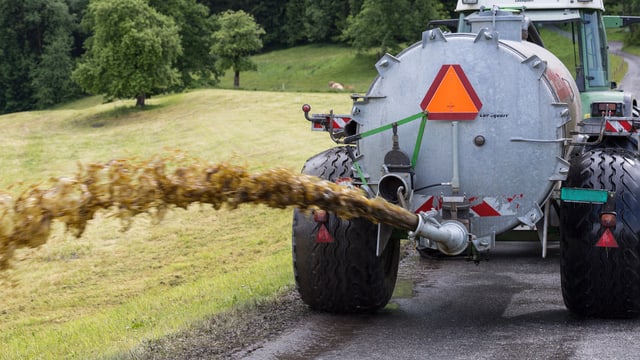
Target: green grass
x,y
108,291
308,68
617,34
560,46
563,48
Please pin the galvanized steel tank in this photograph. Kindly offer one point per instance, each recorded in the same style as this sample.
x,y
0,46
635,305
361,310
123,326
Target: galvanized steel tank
x,y
500,110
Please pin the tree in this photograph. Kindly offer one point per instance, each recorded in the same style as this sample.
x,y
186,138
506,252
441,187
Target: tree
x,y
387,24
196,64
237,38
270,14
51,78
423,12
35,48
324,19
294,15
630,7
315,20
388,31
131,52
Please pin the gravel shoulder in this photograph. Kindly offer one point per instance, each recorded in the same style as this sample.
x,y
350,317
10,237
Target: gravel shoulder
x,y
223,335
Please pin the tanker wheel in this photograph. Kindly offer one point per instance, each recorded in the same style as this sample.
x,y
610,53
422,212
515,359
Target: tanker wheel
x,y
602,281
343,276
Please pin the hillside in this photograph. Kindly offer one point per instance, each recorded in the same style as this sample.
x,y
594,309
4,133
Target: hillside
x,y
308,68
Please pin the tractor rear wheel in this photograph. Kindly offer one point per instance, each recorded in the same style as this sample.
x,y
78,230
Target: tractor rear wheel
x,y
602,281
345,275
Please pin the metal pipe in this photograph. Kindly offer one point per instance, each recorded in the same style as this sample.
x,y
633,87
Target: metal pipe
x,y
545,228
455,178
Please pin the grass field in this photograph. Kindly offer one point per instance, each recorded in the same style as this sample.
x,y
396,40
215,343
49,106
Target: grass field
x,y
308,68
104,293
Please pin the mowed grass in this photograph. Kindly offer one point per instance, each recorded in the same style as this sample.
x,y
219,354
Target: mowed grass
x,y
105,293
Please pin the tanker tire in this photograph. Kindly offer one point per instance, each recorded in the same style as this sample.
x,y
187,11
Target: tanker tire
x,y
602,282
344,276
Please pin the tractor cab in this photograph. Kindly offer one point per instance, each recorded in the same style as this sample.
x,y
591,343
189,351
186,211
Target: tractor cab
x,y
579,24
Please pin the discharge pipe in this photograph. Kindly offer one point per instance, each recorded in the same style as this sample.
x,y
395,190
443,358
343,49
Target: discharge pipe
x,y
450,235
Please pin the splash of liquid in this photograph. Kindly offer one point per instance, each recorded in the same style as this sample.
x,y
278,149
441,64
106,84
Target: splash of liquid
x,y
128,188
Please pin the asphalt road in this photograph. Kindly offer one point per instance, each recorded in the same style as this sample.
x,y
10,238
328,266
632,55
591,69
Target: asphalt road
x,y
631,81
507,308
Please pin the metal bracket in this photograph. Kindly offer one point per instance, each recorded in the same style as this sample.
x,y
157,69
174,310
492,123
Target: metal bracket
x,y
485,243
385,63
364,99
432,36
531,218
561,170
565,114
538,65
487,35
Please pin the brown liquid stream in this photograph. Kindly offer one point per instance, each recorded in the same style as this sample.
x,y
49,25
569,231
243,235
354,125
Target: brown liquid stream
x,y
127,188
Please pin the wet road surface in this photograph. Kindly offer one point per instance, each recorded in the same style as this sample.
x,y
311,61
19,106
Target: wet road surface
x,y
507,308
631,81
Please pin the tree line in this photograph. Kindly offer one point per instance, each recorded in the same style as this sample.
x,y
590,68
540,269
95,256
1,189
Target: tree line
x,y
52,51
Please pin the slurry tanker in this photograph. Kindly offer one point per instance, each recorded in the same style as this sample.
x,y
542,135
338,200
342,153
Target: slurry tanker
x,y
484,134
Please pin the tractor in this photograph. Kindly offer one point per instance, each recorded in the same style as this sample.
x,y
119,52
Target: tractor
x,y
485,135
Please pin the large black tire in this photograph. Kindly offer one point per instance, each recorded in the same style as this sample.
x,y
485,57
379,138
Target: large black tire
x,y
602,281
344,276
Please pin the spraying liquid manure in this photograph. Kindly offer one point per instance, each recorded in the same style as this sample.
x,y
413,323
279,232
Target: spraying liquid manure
x,y
128,188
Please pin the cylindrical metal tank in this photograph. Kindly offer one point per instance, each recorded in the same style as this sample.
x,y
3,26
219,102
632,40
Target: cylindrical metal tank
x,y
493,142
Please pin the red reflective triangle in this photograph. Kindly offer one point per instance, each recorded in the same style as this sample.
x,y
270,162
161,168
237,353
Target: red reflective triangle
x,y
323,235
451,96
607,240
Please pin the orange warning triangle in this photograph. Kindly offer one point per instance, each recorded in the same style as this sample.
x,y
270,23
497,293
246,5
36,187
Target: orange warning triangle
x,y
607,240
451,96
